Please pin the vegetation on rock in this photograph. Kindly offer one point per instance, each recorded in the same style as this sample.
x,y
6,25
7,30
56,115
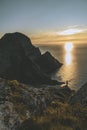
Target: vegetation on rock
x,y
25,107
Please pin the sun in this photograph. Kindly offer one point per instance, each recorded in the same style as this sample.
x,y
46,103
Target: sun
x,y
68,46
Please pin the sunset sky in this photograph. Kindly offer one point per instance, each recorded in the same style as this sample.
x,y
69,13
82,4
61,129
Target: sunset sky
x,y
45,21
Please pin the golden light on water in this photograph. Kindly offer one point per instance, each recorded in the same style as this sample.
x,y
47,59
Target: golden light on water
x,y
68,55
68,46
68,58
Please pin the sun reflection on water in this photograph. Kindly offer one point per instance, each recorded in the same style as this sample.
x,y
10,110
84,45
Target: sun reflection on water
x,y
68,46
68,58
68,55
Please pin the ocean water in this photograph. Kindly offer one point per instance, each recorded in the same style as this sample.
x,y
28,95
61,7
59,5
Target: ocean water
x,y
74,67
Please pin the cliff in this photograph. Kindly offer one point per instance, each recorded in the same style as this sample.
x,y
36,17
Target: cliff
x,y
20,60
48,63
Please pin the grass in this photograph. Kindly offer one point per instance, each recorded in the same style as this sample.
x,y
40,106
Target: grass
x,y
57,116
62,117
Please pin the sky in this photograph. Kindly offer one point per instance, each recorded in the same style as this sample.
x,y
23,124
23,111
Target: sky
x,y
45,21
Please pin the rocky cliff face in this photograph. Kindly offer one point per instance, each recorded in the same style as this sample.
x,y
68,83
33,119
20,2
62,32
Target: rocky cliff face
x,y
19,102
80,96
22,61
48,63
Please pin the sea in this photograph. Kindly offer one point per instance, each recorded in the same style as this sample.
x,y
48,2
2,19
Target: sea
x,y
74,68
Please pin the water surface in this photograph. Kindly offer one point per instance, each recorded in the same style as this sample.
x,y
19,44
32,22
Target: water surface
x,y
74,67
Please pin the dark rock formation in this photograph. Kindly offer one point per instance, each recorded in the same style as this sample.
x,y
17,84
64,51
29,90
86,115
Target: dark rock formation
x,y
48,63
22,61
80,96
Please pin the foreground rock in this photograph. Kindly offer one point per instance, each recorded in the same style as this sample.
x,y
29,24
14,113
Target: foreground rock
x,y
22,61
18,102
80,96
24,107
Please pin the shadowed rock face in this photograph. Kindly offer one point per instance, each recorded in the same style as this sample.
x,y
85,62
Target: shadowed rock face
x,y
80,96
48,63
22,61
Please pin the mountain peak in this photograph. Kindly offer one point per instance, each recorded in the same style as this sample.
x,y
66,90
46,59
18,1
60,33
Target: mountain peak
x,y
15,37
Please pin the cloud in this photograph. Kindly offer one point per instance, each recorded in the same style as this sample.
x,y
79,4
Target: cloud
x,y
75,34
70,32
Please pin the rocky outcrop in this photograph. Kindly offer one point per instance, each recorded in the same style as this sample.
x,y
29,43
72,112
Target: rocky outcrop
x,y
80,96
48,63
18,102
24,107
22,61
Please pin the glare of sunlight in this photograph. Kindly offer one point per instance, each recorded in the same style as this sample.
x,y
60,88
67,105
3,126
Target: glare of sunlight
x,y
68,52
68,46
68,58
